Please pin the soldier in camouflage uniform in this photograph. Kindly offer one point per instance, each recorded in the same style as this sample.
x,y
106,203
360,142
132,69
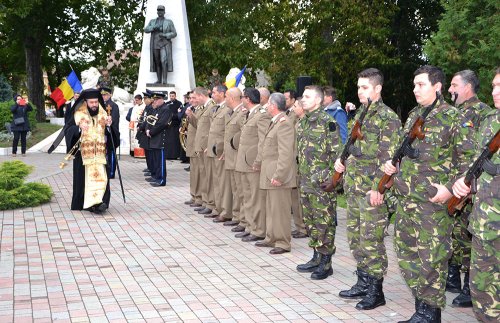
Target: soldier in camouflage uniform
x,y
463,88
318,143
423,228
484,222
367,214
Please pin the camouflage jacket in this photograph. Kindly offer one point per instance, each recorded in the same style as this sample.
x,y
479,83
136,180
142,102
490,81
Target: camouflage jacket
x,y
318,144
484,221
444,153
474,111
382,131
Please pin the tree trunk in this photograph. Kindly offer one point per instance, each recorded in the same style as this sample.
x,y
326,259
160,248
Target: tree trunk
x,y
34,75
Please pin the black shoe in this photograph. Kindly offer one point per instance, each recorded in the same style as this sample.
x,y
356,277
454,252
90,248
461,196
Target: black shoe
x,y
158,184
453,283
359,289
242,234
425,314
147,174
463,299
145,170
199,208
238,228
374,296
324,268
152,179
251,237
311,265
187,169
184,161
99,209
205,211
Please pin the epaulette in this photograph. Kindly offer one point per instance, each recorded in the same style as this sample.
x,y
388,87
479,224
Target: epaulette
x,y
282,119
262,110
244,109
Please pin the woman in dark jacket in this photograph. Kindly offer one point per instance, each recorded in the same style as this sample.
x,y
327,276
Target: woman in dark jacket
x,y
20,124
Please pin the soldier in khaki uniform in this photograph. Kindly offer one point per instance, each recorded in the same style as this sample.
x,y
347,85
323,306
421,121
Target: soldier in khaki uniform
x,y
234,121
248,164
202,122
298,221
195,183
277,175
215,148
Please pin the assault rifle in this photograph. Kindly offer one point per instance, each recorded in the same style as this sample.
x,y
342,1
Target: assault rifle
x,y
406,149
353,137
456,204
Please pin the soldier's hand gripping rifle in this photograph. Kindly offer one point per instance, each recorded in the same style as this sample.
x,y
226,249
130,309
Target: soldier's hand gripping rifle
x,y
456,204
353,137
416,131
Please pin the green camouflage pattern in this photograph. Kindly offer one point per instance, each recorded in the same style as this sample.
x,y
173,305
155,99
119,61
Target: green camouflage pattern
x,y
484,224
474,111
485,279
318,143
423,229
366,225
484,221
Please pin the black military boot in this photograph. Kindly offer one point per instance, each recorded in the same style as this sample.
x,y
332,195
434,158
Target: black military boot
x,y
453,283
324,268
311,265
463,299
374,296
359,289
425,314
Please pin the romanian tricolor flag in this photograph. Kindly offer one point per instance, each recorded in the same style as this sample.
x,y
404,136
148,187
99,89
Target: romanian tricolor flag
x,y
235,81
66,90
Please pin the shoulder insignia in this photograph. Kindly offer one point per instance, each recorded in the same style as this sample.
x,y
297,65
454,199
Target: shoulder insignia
x,y
332,126
468,124
262,110
282,119
244,109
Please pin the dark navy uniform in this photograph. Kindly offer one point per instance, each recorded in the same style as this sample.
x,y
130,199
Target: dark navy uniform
x,y
115,128
157,142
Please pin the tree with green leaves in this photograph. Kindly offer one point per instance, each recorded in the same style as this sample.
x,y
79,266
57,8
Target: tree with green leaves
x,y
5,90
54,34
468,38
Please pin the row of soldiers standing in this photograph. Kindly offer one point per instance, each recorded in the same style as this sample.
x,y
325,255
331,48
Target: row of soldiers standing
x,y
247,158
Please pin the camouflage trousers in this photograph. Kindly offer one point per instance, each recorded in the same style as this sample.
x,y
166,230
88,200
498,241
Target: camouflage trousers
x,y
461,241
422,240
366,227
485,279
319,210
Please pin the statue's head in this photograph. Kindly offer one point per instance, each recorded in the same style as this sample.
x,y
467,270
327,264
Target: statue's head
x,y
161,10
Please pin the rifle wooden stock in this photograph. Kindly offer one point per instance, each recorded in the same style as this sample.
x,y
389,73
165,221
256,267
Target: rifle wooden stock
x,y
356,134
385,183
456,204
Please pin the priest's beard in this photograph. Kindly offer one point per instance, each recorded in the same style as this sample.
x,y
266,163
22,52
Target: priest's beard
x,y
93,112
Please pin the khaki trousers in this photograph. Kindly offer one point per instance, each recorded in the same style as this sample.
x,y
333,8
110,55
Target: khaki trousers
x,y
207,180
195,180
236,195
278,206
222,185
254,207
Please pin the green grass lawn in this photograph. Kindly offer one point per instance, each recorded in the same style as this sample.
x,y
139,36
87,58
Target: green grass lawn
x,y
42,131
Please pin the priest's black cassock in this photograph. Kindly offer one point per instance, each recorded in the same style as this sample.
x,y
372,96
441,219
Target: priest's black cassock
x,y
173,144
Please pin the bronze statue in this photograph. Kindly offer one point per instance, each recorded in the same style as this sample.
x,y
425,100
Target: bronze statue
x,y
162,31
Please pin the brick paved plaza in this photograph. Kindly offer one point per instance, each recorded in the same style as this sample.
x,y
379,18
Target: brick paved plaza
x,y
155,260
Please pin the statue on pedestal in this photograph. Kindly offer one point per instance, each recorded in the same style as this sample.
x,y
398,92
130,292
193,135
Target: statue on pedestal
x,y
162,31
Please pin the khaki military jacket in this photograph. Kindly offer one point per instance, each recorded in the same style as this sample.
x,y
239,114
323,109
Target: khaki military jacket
x,y
278,154
215,143
203,126
191,135
234,122
252,136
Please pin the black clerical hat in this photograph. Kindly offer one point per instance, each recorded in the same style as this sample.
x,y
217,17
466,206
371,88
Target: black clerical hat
x,y
85,95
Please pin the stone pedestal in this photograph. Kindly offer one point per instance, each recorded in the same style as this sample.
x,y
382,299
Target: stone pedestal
x,y
181,79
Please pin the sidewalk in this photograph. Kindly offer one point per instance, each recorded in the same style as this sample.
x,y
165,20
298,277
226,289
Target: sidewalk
x,y
153,259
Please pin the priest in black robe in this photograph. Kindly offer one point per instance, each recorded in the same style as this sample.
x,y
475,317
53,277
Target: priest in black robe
x,y
88,137
173,144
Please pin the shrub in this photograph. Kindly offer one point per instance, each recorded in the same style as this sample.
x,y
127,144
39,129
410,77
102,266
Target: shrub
x,y
14,193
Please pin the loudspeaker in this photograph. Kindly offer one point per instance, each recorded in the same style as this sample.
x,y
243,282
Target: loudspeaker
x,y
302,82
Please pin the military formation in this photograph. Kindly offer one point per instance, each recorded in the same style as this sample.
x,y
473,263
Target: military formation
x,y
270,167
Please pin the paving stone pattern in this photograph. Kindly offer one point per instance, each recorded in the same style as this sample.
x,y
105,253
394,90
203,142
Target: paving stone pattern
x,y
155,260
